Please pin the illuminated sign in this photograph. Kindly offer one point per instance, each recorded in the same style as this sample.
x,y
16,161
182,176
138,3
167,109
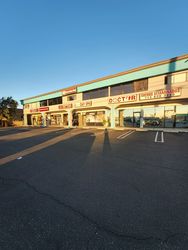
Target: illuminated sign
x,y
69,91
162,93
122,99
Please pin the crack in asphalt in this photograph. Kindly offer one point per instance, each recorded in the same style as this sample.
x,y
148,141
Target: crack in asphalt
x,y
87,218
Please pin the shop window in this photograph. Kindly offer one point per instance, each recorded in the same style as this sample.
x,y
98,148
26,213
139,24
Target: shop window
x,y
116,90
153,117
96,93
95,118
122,88
182,116
130,118
177,78
141,85
71,97
169,116
55,101
55,119
43,103
128,87
166,79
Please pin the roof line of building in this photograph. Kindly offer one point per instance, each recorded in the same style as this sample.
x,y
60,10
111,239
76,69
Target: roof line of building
x,y
115,75
137,69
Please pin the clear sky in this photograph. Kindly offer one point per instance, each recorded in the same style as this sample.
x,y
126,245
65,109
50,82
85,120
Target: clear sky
x,y
50,44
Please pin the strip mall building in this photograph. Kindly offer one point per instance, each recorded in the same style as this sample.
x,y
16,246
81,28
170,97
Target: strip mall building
x,y
154,95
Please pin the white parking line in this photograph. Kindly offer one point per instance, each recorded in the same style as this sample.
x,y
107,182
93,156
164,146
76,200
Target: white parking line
x,y
162,137
157,135
122,136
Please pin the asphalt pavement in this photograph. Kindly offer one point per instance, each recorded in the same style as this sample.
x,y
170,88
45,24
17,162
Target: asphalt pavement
x,y
93,189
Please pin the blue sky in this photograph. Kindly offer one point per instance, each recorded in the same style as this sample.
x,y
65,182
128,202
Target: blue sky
x,y
50,44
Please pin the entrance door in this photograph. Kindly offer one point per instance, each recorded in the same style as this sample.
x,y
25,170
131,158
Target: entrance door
x,y
58,119
79,119
29,120
136,119
65,119
169,117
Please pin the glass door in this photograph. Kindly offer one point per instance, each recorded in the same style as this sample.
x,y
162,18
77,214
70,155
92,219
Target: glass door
x,y
136,119
169,117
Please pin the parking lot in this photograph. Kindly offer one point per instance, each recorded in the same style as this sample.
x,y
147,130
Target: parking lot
x,y
93,189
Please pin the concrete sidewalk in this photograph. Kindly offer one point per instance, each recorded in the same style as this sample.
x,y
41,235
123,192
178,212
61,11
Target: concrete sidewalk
x,y
169,130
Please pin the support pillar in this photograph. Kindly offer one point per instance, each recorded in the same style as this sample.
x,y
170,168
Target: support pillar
x,y
25,120
142,118
112,117
70,118
43,119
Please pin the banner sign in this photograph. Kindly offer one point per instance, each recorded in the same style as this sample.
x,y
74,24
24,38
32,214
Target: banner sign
x,y
33,110
65,106
69,91
122,99
162,93
42,109
83,104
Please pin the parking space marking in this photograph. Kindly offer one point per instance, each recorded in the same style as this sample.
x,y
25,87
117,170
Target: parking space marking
x,y
157,135
122,136
162,137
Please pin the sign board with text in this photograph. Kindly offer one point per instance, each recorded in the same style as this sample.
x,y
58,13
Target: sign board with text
x,y
33,110
122,99
43,109
162,93
83,104
69,91
65,106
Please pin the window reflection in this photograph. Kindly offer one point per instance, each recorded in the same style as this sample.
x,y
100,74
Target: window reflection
x,y
154,117
182,116
165,116
169,117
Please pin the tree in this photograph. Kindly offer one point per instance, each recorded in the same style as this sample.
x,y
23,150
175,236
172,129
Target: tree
x,y
8,108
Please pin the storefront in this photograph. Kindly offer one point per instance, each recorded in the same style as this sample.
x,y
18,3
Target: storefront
x,y
154,95
164,116
34,119
96,118
88,118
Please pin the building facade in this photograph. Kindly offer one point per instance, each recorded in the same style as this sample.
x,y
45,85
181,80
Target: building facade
x,y
154,95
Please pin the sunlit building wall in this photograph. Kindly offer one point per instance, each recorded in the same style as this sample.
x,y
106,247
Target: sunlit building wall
x,y
154,95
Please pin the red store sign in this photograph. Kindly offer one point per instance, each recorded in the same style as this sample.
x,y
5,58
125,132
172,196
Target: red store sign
x,y
120,99
69,91
42,109
33,110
